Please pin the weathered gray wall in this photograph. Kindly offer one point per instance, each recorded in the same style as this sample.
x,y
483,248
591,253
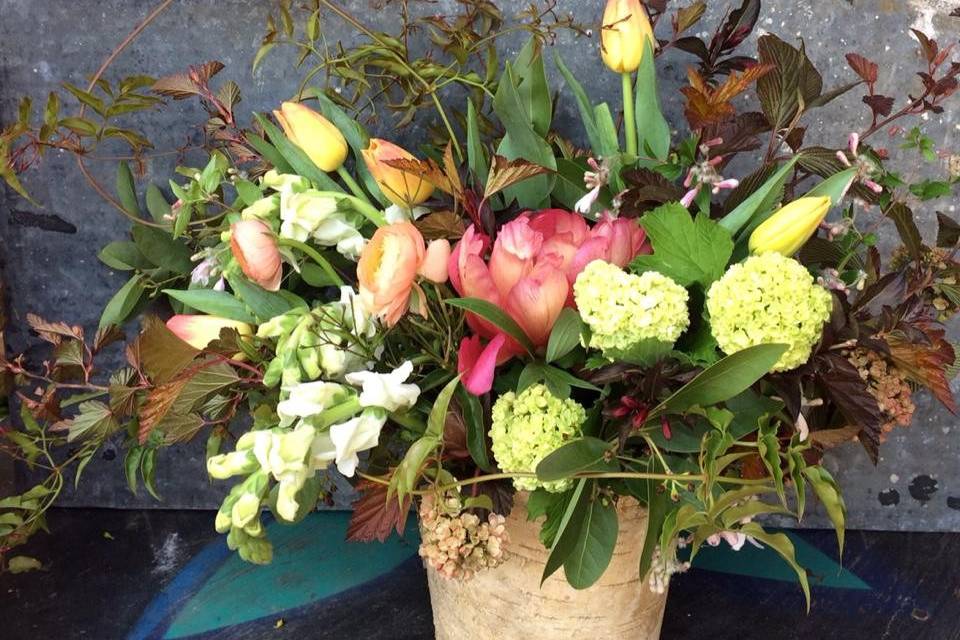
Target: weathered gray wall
x,y
48,253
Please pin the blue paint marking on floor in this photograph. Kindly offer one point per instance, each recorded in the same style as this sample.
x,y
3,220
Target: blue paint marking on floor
x,y
313,563
750,561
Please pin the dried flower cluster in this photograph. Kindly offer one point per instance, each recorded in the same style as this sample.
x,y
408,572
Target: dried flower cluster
x,y
456,543
888,385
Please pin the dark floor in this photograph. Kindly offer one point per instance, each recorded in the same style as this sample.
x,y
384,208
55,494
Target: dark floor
x,y
165,574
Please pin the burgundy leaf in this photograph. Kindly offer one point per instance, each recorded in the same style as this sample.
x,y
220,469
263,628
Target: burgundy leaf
x,y
880,105
375,515
842,382
863,67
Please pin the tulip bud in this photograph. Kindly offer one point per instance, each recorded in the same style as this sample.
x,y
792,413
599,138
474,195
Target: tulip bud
x,y
790,227
404,189
624,35
255,248
199,331
314,134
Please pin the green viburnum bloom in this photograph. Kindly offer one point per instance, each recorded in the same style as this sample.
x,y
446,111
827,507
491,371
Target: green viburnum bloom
x,y
529,426
769,299
623,309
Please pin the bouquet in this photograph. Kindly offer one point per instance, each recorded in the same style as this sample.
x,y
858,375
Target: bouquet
x,y
586,316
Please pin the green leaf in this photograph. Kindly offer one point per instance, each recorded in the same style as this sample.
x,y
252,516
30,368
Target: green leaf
x,y
653,132
533,89
264,304
769,449
607,130
582,455
658,504
438,413
160,248
157,204
81,126
295,156
723,380
584,106
215,303
123,302
931,189
269,153
686,249
835,186
22,564
476,155
568,531
569,187
644,353
522,141
828,492
131,464
594,546
494,314
762,199
126,190
780,543
123,256
565,335
472,413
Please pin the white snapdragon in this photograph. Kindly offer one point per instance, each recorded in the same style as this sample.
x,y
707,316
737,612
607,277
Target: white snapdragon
x,y
355,435
309,398
386,390
396,213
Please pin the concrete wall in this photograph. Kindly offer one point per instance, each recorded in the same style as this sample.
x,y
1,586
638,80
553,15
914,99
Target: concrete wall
x,y
48,253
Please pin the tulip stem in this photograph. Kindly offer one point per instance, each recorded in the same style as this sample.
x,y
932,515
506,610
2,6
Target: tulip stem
x,y
314,255
351,183
363,207
629,118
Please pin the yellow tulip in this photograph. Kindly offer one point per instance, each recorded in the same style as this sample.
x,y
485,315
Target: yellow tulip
x,y
315,135
199,331
403,188
623,37
790,227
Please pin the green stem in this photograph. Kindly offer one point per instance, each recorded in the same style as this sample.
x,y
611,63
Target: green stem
x,y
446,123
339,413
314,255
629,118
352,184
365,209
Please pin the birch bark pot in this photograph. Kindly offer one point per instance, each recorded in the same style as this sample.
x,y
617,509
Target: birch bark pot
x,y
508,602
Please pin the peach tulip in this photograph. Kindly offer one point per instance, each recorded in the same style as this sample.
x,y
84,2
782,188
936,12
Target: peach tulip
x,y
255,248
389,265
198,330
625,32
403,188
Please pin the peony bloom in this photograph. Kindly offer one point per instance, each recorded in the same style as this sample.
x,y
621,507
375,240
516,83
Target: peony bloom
x,y
255,248
624,35
532,266
389,265
402,188
315,135
198,331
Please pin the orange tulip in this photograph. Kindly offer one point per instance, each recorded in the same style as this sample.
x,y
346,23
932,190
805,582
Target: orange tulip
x,y
389,265
403,188
255,248
199,331
315,135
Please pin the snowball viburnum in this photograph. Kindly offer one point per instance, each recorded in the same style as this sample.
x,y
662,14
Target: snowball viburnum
x,y
623,309
769,299
529,426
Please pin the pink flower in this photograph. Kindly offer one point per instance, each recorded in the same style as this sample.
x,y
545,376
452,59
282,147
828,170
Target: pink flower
x,y
255,248
476,362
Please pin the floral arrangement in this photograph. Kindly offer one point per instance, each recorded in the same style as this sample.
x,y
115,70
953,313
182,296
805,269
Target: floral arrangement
x,y
508,310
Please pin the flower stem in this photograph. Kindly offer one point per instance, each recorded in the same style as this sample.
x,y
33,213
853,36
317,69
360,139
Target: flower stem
x,y
314,255
629,117
352,184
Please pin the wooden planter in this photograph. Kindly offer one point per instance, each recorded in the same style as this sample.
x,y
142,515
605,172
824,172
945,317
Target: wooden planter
x,y
508,603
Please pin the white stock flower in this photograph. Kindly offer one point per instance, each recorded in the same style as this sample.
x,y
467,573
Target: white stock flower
x,y
386,390
308,399
262,209
355,435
